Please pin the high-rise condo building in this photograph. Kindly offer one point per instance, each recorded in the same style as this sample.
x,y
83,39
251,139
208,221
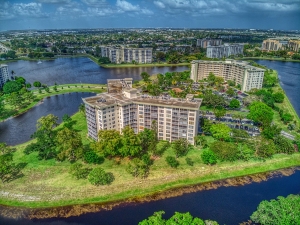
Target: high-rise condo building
x,y
225,50
124,106
203,43
249,77
4,75
294,45
273,45
128,55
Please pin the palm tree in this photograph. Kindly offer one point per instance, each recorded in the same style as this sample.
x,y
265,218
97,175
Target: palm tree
x,y
12,74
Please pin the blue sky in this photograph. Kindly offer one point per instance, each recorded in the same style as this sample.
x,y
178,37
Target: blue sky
x,y
57,14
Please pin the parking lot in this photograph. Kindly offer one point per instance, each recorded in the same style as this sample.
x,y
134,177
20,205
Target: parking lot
x,y
244,124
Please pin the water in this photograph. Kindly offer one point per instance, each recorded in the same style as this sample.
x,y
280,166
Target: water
x,y
18,130
227,205
289,76
79,70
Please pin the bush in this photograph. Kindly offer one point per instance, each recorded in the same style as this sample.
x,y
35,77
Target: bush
x,y
92,158
209,157
189,161
172,161
161,147
99,177
147,160
283,145
278,97
224,151
77,171
138,168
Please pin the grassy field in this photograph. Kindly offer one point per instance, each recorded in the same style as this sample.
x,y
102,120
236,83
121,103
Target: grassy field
x,y
47,183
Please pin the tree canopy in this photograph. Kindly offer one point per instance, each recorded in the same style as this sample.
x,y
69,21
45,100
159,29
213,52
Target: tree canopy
x,y
260,113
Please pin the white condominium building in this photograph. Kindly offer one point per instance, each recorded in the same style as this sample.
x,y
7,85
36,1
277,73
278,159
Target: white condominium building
x,y
205,42
121,54
294,45
225,50
176,118
273,45
4,75
249,77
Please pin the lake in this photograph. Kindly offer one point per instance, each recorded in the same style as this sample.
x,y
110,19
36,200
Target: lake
x,y
79,70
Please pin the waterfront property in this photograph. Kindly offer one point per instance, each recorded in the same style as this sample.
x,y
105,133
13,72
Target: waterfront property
x,y
241,72
4,76
205,42
122,54
294,45
225,50
122,106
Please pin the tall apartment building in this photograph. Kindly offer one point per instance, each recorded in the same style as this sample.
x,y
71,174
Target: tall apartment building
x,y
225,50
4,75
121,54
273,45
241,72
205,42
294,45
176,118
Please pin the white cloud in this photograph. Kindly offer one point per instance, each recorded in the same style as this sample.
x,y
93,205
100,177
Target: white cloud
x,y
54,1
127,6
159,4
33,9
95,3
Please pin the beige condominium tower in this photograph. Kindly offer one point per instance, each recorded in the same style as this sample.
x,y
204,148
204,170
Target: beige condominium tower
x,y
123,105
249,77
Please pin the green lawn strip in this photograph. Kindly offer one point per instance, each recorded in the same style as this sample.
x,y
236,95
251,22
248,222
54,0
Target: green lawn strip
x,y
271,59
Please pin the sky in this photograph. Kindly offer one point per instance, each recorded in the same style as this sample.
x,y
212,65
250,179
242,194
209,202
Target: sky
x,y
71,14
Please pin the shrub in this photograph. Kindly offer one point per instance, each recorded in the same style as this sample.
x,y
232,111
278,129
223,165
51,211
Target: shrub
x,y
138,168
283,145
224,151
99,177
77,171
189,161
209,157
91,157
172,161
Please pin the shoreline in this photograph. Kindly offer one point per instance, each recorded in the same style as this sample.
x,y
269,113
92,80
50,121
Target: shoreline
x,y
270,59
15,212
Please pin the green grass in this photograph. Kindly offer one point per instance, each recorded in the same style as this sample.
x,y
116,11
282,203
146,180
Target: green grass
x,y
271,58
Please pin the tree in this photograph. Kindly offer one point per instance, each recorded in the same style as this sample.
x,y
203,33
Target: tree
x,y
271,131
14,99
69,144
219,112
8,169
278,211
82,108
146,137
131,144
225,151
172,161
177,218
286,117
260,113
11,54
220,131
138,168
77,171
28,85
230,92
181,147
160,56
109,143
99,177
283,145
145,76
29,96
212,100
209,157
20,80
46,138
234,104
92,157
239,135
11,86
200,141
278,97
264,148
37,84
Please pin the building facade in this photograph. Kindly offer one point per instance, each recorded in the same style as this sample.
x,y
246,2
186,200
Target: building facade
x,y
294,45
273,45
4,75
175,118
249,77
205,42
121,54
225,50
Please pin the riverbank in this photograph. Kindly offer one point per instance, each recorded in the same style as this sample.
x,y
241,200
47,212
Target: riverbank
x,y
61,89
270,58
